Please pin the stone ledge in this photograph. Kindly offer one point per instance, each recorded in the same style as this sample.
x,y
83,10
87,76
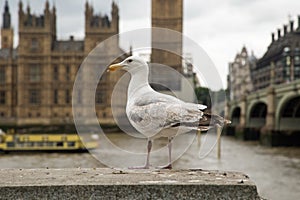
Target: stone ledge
x,y
105,183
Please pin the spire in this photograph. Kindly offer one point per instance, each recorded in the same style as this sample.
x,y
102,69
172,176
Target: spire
x,y
88,8
53,9
130,50
6,16
6,8
285,30
278,33
298,23
28,9
20,6
47,4
86,5
115,8
291,25
244,49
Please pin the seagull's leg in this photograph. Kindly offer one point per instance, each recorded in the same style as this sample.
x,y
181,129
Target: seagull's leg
x,y
149,147
170,153
169,165
147,165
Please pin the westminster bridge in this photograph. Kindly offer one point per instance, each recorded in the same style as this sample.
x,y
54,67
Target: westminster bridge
x,y
271,115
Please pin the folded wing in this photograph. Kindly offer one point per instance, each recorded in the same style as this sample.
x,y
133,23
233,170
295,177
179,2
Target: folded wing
x,y
149,115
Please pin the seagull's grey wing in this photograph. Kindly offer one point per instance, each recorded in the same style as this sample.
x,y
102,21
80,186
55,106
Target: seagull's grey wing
x,y
177,111
155,97
147,117
184,114
154,114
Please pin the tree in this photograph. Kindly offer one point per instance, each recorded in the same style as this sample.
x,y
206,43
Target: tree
x,y
203,96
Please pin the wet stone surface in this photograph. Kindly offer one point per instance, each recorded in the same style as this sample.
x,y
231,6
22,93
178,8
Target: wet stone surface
x,y
105,183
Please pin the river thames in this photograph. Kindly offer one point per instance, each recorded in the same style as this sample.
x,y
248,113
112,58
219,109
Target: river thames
x,y
276,171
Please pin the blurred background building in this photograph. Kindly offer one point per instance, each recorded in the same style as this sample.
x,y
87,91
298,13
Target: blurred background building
x,y
281,62
166,44
264,93
240,80
37,77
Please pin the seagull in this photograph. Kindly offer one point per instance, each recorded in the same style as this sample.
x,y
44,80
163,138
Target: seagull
x,y
157,115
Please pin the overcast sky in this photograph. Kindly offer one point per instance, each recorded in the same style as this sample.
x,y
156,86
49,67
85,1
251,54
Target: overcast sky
x,y
221,28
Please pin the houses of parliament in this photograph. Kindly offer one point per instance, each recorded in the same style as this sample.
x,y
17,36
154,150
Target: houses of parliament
x,y
37,77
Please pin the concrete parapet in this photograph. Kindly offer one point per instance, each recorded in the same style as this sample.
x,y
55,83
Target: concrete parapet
x,y
105,183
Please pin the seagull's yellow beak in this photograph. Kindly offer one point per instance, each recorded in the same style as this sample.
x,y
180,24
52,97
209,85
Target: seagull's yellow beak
x,y
114,67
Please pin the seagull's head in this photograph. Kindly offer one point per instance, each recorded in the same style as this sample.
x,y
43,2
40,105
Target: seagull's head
x,y
130,64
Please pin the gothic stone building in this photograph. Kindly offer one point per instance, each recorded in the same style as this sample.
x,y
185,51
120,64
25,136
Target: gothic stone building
x,y
166,14
36,78
239,80
281,62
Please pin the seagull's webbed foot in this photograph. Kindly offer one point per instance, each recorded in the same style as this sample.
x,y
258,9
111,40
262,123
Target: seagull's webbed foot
x,y
169,166
140,167
147,165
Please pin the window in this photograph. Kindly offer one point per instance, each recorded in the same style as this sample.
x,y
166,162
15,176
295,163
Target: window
x,y
71,144
68,98
34,97
297,60
2,75
297,71
288,60
34,44
2,97
67,72
79,99
60,144
55,97
79,75
55,73
99,97
34,73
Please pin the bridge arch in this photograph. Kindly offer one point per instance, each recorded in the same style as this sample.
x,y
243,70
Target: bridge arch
x,y
257,114
235,116
288,113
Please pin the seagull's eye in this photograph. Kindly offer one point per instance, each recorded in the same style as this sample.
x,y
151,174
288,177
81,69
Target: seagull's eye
x,y
129,61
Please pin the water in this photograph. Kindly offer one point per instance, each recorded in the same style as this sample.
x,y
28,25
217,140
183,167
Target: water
x,y
276,171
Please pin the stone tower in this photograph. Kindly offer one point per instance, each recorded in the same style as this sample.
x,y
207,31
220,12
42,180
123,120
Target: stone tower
x,y
37,34
98,27
7,33
240,80
37,77
167,14
7,69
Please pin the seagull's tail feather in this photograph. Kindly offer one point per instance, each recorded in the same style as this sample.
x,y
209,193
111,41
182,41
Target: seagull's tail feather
x,y
206,122
209,120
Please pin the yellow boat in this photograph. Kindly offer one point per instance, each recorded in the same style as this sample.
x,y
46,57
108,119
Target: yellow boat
x,y
43,142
